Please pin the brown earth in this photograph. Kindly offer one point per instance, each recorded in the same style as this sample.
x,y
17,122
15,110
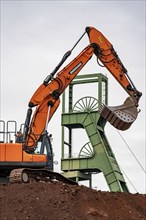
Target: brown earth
x,y
58,201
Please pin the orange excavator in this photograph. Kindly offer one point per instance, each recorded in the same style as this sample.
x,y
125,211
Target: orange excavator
x,y
31,156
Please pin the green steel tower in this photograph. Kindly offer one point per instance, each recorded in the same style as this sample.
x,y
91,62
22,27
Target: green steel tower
x,y
96,155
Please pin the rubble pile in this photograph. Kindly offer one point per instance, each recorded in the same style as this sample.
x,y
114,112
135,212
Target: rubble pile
x,y
59,201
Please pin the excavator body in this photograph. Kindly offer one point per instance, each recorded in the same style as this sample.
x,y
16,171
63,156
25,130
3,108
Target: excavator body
x,y
20,165
21,160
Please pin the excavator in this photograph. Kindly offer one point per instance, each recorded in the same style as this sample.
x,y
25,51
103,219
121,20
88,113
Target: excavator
x,y
30,158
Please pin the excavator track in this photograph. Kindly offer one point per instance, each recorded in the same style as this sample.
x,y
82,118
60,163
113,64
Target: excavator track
x,y
26,175
121,117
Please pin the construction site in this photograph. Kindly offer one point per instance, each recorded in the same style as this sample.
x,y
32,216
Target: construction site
x,y
30,188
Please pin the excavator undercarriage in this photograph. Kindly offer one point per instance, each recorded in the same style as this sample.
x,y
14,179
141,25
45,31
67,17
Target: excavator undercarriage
x,y
27,175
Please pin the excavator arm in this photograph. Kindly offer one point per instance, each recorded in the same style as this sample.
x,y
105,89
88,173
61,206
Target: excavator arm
x,y
121,117
46,97
109,58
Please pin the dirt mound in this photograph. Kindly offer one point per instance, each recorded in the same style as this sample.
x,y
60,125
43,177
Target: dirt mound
x,y
57,201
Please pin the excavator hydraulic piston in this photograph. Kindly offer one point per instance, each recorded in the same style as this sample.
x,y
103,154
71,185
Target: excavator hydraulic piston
x,y
26,124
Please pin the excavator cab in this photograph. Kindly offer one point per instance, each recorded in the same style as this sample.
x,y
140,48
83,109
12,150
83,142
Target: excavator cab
x,y
44,146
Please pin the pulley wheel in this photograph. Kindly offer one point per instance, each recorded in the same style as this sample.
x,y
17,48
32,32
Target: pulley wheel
x,y
86,104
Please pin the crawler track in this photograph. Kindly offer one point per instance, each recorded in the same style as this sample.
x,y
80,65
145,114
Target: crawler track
x,y
27,175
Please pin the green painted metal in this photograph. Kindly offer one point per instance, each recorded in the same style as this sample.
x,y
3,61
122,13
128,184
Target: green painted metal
x,y
78,176
95,156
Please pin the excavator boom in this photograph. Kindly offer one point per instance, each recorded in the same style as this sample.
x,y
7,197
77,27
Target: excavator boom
x,y
46,97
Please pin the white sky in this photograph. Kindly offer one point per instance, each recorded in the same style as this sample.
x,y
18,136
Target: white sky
x,y
34,37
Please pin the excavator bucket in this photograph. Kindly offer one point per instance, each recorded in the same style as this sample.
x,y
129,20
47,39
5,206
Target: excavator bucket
x,y
121,117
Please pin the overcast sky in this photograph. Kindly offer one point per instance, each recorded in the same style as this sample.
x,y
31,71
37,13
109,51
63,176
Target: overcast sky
x,y
34,37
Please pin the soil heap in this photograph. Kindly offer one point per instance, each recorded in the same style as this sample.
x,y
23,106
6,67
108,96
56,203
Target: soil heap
x,y
58,201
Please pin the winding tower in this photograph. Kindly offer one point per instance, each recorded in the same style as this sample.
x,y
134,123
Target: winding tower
x,y
96,155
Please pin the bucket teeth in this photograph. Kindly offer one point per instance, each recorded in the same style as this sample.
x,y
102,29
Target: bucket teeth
x,y
121,117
